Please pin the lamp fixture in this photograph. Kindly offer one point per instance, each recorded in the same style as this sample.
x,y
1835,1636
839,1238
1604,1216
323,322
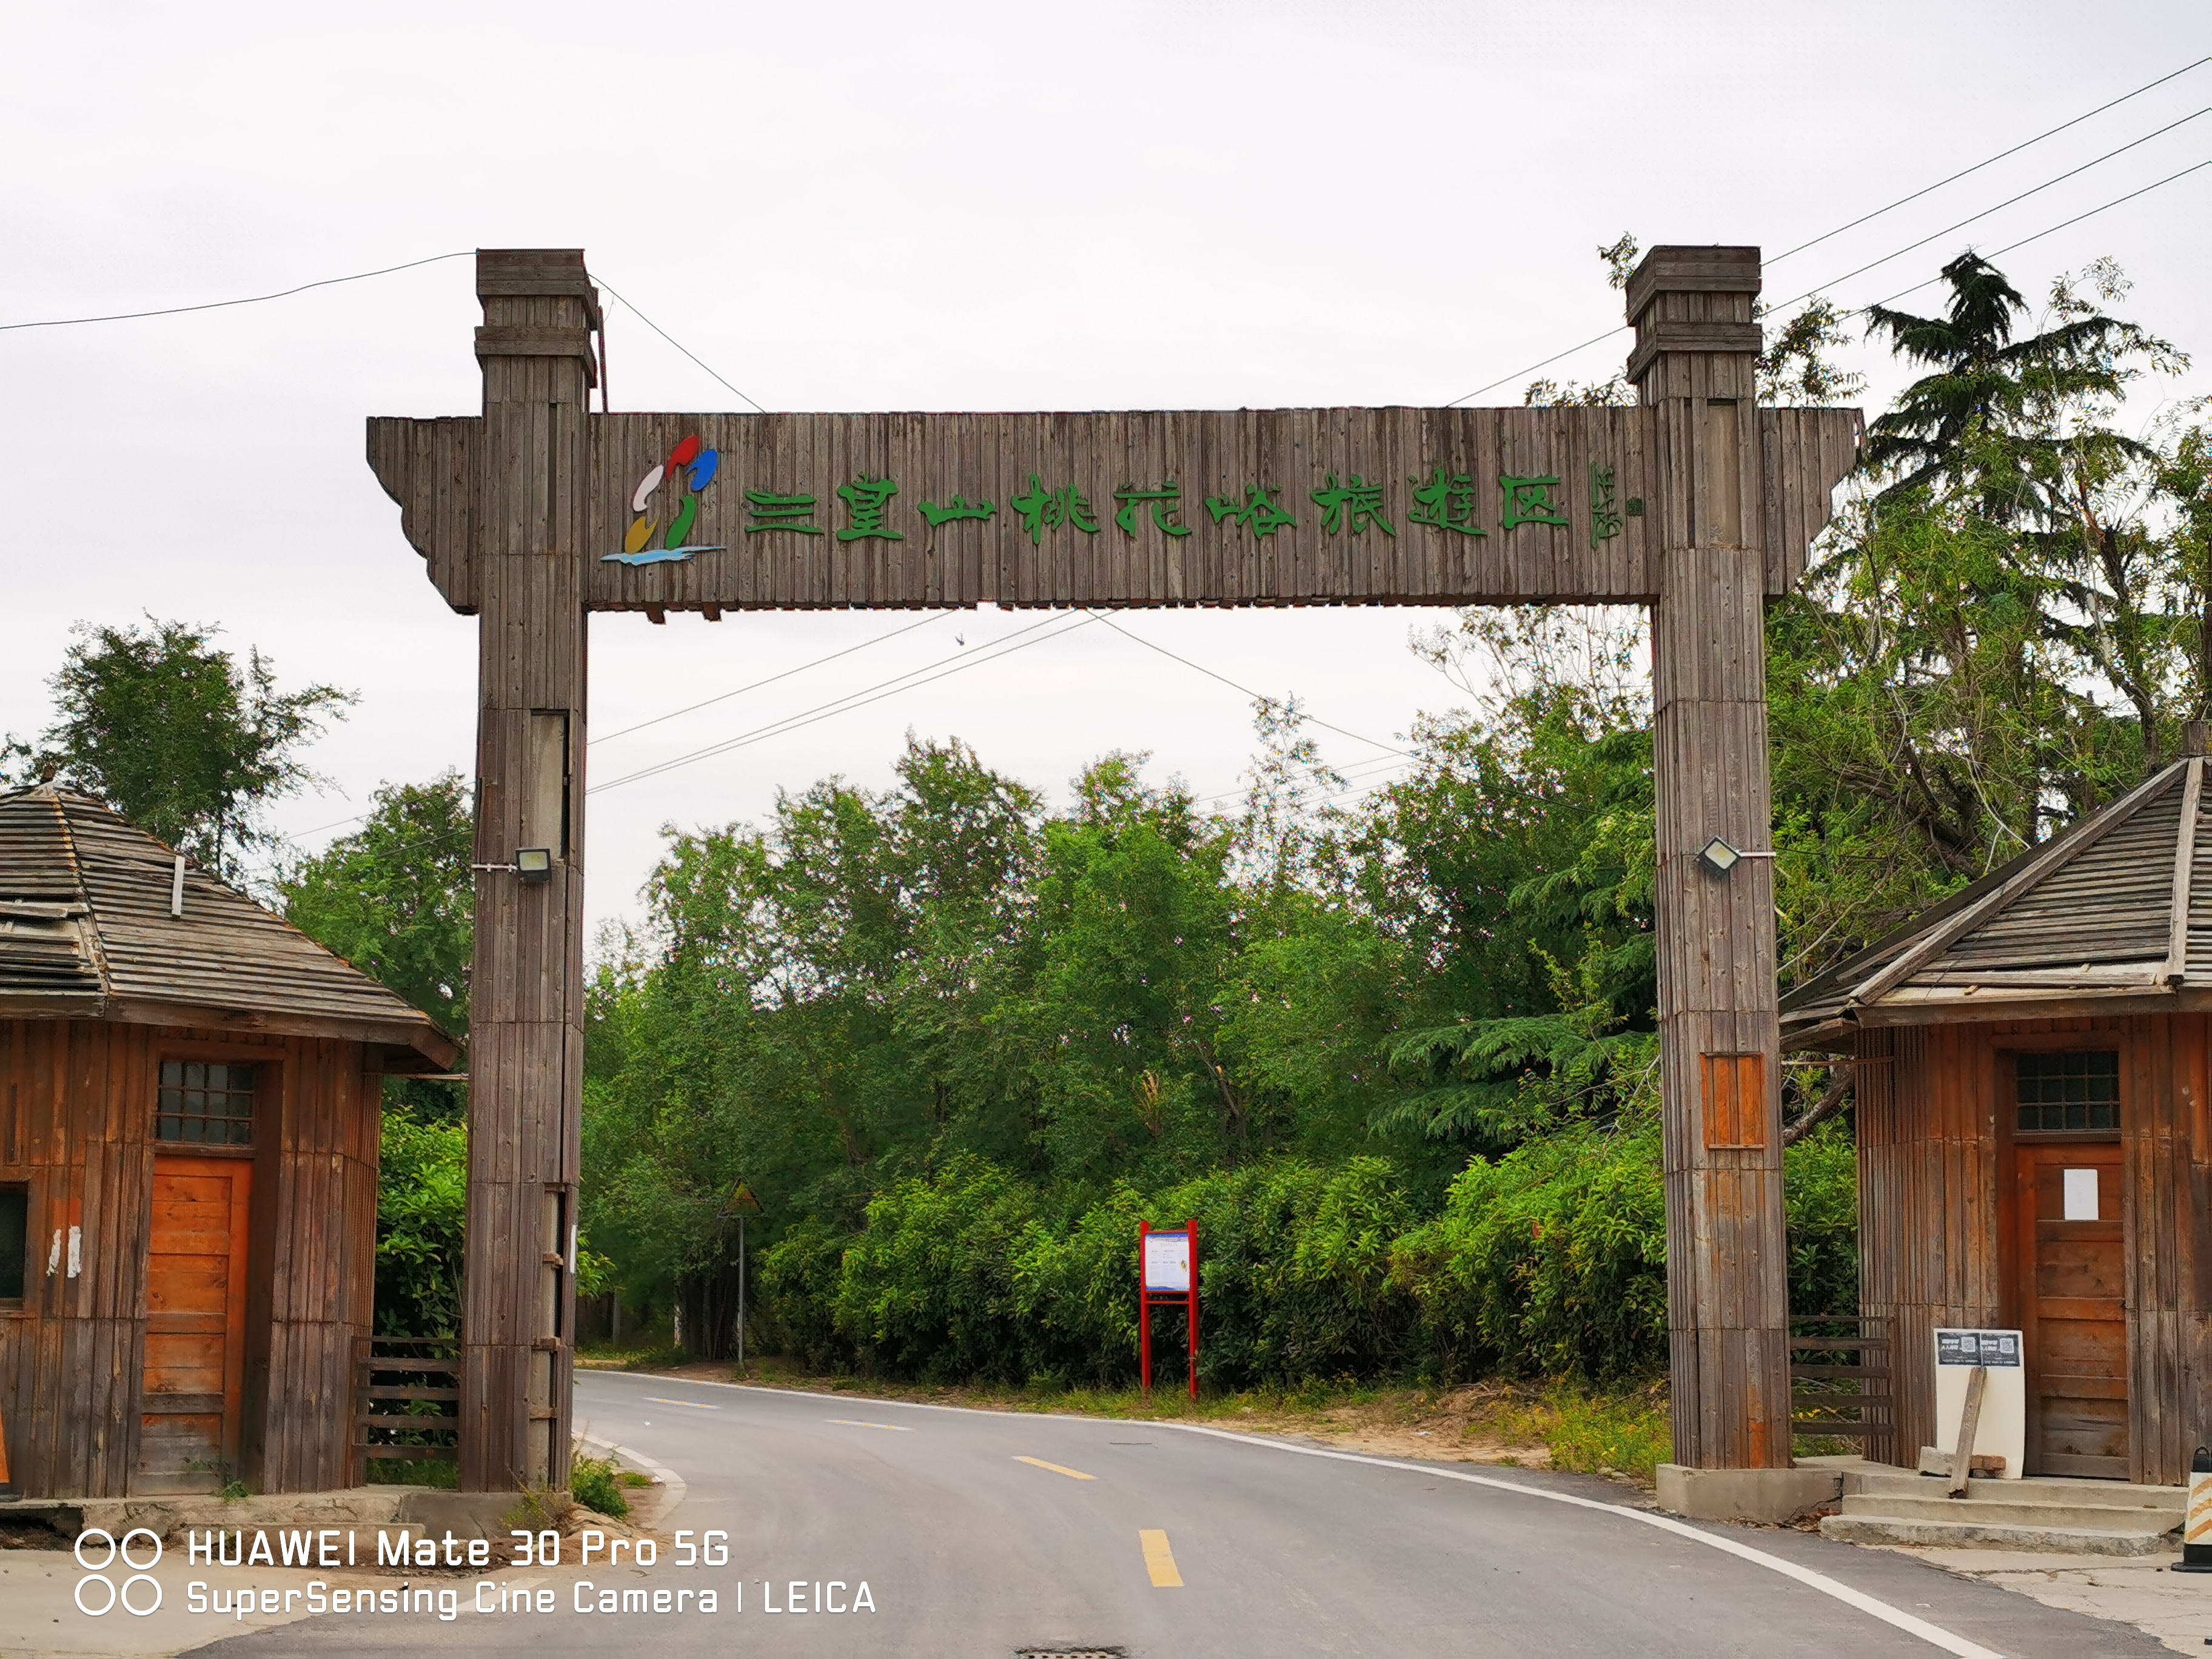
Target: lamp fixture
x,y
1719,858
533,863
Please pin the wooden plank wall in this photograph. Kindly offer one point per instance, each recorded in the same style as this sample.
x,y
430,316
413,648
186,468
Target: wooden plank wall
x,y
321,1266
1936,1215
2166,1172
1930,1248
76,1107
433,467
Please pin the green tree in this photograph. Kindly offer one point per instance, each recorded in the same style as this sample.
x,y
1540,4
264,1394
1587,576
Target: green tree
x,y
395,898
179,736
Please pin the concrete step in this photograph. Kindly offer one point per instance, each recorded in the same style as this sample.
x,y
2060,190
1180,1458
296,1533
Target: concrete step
x,y
1987,1510
1975,1534
1878,1482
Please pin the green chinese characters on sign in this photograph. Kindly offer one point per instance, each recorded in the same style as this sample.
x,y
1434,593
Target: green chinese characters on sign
x,y
1446,501
1167,503
1352,506
773,512
1041,509
868,501
957,508
1605,512
1529,500
1259,511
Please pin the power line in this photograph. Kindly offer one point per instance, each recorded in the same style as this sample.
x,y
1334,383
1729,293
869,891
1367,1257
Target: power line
x,y
608,737
692,708
249,300
861,699
672,340
2024,144
1595,339
1623,328
1257,696
1370,771
2049,230
1986,212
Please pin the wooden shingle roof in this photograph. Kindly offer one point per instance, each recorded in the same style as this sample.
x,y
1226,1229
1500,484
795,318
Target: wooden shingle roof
x,y
2114,915
87,932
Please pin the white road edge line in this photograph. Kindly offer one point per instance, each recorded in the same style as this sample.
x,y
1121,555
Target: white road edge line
x,y
1935,1635
671,1482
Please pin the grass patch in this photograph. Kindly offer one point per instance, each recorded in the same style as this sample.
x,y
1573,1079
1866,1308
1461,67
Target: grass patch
x,y
596,1483
1628,1431
665,1357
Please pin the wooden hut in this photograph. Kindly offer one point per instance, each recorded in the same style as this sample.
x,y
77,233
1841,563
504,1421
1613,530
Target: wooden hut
x,y
2033,1149
188,1108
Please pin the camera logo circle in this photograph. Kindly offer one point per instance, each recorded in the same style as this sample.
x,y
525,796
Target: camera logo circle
x,y
96,1573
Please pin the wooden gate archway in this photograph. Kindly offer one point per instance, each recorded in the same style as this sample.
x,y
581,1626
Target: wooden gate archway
x,y
1696,502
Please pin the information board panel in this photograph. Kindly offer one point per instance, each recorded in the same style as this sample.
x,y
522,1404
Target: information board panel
x,y
1167,1262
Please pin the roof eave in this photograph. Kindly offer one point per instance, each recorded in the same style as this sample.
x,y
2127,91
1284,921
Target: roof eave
x,y
419,1043
2015,1004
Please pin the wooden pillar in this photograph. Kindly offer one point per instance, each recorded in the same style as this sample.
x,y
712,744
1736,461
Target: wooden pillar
x,y
526,1043
1695,362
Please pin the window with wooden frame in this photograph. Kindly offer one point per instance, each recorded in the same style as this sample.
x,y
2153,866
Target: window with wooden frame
x,y
15,1244
2067,1090
205,1102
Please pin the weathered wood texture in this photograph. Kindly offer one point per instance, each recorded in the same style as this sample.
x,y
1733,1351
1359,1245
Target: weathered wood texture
x,y
435,469
1696,362
77,1101
2114,914
191,1421
1940,1224
525,1061
2072,1307
86,928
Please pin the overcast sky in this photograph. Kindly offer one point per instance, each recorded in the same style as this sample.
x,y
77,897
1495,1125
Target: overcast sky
x,y
940,206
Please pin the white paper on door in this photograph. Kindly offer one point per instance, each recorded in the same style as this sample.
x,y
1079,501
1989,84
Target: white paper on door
x,y
2081,1195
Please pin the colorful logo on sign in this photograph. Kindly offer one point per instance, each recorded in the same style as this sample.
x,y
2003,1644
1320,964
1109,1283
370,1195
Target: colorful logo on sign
x,y
690,467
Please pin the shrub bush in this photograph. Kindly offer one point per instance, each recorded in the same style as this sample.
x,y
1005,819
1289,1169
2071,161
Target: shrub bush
x,y
1550,1261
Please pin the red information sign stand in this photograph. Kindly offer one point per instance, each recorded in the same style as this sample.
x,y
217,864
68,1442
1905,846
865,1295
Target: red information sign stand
x,y
1167,1273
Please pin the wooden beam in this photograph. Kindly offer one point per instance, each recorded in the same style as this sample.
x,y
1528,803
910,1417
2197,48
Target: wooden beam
x,y
1077,514
2185,867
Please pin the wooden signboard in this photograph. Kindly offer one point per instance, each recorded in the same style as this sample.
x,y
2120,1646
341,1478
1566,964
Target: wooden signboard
x,y
1695,501
1250,507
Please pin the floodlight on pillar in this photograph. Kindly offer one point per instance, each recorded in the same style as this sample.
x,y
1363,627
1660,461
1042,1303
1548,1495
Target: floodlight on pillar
x,y
1719,858
533,865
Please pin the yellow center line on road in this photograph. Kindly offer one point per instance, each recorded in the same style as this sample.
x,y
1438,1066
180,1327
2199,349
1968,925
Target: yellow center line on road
x,y
856,1423
1159,1559
659,1399
1039,1463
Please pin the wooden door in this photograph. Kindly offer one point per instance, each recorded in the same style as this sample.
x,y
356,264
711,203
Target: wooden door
x,y
188,1436
2074,1317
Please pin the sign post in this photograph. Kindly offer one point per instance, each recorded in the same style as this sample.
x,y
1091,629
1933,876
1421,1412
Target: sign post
x,y
742,1204
1167,1274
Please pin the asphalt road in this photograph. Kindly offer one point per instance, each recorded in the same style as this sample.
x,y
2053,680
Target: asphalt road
x,y
985,1534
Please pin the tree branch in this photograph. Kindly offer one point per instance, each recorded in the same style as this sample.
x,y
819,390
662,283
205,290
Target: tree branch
x,y
1839,1088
